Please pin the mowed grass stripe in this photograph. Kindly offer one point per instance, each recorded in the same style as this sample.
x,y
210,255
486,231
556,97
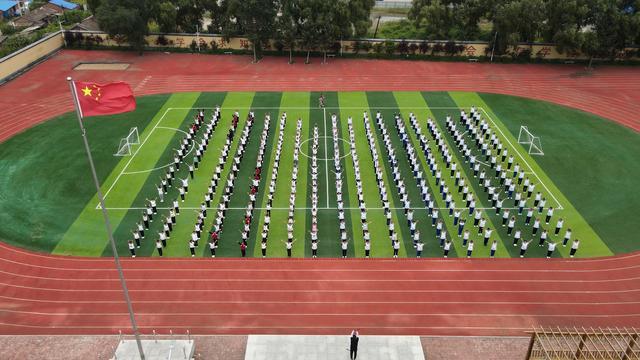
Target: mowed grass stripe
x,y
328,229
278,227
178,245
230,237
262,198
427,231
265,103
413,102
293,100
439,116
350,192
84,237
591,244
375,218
381,99
353,225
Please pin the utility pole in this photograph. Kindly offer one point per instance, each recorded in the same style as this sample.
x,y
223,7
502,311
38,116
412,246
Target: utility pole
x,y
375,33
493,49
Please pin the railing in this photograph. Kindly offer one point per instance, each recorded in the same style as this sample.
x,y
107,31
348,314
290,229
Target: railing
x,y
574,343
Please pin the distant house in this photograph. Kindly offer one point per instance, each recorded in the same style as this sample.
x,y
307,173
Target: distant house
x,y
64,5
8,8
38,17
88,24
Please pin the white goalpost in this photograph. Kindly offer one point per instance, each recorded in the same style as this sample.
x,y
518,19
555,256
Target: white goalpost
x,y
124,148
530,141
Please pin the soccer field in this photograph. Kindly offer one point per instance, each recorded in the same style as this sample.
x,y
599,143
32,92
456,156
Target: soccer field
x,y
69,221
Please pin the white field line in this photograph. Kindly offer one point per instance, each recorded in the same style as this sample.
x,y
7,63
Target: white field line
x,y
307,108
464,210
559,207
133,156
326,157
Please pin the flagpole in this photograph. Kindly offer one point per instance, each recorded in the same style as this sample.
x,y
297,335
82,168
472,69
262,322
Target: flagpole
x,y
107,223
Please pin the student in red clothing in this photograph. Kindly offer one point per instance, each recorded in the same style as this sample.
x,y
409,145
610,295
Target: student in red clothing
x,y
243,248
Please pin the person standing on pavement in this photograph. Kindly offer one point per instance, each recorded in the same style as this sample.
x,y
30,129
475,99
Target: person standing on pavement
x,y
353,347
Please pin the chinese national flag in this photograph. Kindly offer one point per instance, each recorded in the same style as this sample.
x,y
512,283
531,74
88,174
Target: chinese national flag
x,y
112,98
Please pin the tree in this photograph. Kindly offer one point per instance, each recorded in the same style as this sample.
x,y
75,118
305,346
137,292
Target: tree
x,y
165,15
359,16
93,5
256,18
128,19
442,19
288,25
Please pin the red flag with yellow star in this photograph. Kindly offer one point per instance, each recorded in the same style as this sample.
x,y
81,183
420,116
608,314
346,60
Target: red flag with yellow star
x,y
112,98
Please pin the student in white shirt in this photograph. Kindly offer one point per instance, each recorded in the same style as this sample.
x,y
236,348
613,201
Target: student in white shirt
x,y
469,249
494,247
550,249
132,248
523,247
396,247
567,237
263,248
367,248
192,248
213,245
574,247
447,247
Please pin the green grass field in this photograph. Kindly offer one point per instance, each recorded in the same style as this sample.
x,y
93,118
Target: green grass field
x,y
48,203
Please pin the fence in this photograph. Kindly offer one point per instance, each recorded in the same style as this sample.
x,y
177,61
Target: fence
x,y
393,4
557,343
17,62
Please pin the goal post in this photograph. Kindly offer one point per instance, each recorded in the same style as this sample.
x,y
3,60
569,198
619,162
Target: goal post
x,y
124,148
133,138
532,143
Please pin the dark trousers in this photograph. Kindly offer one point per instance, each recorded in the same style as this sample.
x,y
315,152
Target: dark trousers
x,y
288,252
353,353
159,251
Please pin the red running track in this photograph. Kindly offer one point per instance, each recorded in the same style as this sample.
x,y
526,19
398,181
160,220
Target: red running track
x,y
611,92
43,294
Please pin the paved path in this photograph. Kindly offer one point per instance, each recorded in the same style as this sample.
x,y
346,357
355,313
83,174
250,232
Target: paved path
x,y
332,347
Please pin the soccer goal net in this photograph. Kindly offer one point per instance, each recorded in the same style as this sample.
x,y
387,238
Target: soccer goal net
x,y
124,148
531,142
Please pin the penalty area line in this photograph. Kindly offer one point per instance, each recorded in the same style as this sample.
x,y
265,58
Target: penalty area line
x,y
133,156
560,207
